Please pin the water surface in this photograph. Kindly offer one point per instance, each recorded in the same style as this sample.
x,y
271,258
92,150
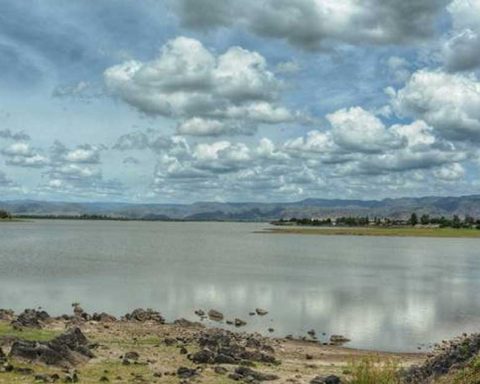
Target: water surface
x,y
382,292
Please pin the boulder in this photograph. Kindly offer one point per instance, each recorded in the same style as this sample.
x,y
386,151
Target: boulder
x,y
142,315
31,318
66,350
338,339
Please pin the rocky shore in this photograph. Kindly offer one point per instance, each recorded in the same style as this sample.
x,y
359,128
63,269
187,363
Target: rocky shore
x,y
140,347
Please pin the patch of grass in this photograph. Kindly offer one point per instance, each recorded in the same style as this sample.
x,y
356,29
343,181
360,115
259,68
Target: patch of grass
x,y
377,231
470,374
27,333
371,371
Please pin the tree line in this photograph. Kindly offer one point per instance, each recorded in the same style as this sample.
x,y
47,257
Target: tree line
x,y
358,221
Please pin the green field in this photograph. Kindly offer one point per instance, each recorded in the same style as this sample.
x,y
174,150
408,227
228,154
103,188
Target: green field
x,y
376,231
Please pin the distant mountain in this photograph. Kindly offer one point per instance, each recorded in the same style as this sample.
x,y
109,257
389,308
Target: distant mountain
x,y
400,208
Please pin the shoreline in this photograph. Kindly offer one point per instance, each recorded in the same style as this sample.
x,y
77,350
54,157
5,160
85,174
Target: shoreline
x,y
374,231
141,347
160,350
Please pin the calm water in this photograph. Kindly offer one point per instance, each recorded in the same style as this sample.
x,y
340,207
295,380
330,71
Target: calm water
x,y
384,293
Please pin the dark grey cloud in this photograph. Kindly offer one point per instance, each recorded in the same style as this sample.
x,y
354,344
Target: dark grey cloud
x,y
309,24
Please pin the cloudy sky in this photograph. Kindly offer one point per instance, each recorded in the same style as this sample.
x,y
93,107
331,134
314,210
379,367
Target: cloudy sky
x,y
238,100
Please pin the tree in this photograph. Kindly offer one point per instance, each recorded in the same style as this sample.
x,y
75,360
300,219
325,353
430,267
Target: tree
x,y
425,219
5,214
413,219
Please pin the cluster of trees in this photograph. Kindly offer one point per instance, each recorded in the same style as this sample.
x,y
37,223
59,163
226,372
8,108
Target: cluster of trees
x,y
444,222
5,214
352,221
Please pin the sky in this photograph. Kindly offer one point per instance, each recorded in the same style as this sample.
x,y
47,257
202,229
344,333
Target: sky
x,y
177,101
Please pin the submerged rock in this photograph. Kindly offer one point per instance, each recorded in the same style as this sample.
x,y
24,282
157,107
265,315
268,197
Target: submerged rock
x,y
338,339
240,323
66,350
261,312
31,318
215,315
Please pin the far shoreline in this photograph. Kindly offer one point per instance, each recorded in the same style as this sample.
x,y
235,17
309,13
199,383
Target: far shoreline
x,y
375,231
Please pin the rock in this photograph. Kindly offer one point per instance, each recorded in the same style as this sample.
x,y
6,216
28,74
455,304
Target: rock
x,y
220,370
169,341
312,333
23,371
142,315
188,324
271,330
183,351
77,309
454,355
247,373
3,357
205,356
66,350
224,347
215,315
104,379
200,313
31,318
6,314
261,312
251,313
240,323
338,339
132,355
332,379
186,373
103,317
308,356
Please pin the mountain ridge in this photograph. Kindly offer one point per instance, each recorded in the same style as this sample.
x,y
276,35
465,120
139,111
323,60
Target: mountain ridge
x,y
400,208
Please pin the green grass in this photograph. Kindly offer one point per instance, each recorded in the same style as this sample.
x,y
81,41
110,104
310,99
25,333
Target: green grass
x,y
370,371
377,231
27,333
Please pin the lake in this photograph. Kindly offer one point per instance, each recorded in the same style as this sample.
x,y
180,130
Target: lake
x,y
383,293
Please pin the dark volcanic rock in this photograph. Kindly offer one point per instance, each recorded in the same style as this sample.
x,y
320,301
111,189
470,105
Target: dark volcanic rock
x,y
332,379
143,315
188,324
103,317
240,323
186,373
31,318
261,312
66,350
215,315
245,373
6,314
220,346
455,353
